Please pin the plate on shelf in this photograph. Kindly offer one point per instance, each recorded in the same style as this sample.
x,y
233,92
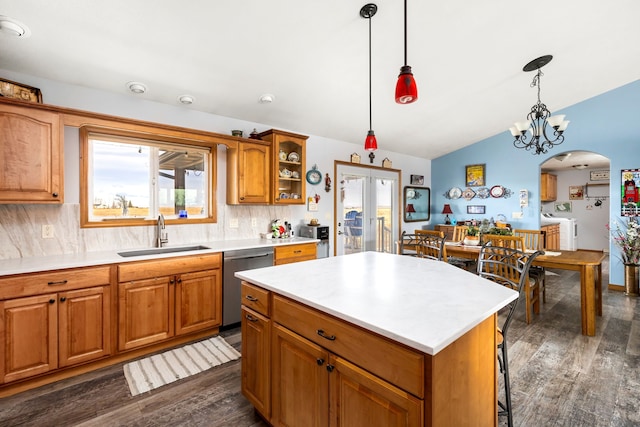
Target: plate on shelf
x,y
293,157
454,193
497,191
284,196
314,176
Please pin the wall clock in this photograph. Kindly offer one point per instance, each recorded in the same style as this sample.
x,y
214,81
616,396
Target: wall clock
x,y
314,176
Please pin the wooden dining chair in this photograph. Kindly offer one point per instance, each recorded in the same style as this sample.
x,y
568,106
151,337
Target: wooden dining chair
x,y
459,233
534,241
508,267
423,245
532,287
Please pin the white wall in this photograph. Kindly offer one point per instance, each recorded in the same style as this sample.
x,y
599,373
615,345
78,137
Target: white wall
x,y
592,220
20,225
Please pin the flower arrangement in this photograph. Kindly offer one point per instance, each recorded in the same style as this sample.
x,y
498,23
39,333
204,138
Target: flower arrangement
x,y
628,240
472,230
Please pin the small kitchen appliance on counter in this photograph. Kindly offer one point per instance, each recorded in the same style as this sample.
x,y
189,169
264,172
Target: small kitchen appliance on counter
x,y
320,232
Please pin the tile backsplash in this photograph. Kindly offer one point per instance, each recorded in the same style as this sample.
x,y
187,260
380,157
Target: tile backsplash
x,y
21,230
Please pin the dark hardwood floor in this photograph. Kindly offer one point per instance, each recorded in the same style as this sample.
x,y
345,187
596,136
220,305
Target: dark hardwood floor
x,y
559,377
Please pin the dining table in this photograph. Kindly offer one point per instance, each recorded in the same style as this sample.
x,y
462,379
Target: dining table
x,y
587,262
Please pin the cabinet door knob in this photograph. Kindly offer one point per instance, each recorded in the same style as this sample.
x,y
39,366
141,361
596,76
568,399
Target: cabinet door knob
x,y
55,194
63,299
330,368
52,301
325,336
319,361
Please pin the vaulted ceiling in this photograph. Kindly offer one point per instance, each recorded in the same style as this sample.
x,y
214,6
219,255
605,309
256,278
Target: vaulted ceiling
x,y
467,59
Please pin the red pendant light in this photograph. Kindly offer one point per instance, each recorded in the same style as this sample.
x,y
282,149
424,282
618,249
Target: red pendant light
x,y
370,144
406,88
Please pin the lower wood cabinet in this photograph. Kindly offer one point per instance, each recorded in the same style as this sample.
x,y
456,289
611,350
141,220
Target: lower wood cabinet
x,y
294,253
161,299
42,333
552,236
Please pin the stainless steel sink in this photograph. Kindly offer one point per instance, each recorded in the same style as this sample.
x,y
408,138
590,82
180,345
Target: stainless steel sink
x,y
157,251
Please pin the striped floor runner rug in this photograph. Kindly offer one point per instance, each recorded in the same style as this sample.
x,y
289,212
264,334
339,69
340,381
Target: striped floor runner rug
x,y
155,371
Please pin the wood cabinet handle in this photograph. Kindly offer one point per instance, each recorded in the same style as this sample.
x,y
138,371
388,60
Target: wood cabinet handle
x,y
61,282
297,252
325,336
250,318
251,298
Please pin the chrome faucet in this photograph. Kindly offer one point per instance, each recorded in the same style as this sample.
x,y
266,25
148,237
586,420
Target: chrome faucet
x,y
162,236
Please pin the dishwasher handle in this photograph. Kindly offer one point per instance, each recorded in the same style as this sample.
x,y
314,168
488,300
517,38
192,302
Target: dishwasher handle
x,y
248,257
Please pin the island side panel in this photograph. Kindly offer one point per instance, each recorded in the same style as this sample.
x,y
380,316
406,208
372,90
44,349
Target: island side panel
x,y
461,380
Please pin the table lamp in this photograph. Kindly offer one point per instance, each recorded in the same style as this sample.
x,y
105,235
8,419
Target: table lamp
x,y
447,210
410,209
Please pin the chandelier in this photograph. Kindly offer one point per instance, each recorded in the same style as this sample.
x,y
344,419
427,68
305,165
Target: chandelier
x,y
541,137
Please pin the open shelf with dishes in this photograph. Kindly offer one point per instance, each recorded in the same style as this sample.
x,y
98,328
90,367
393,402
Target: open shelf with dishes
x,y
288,166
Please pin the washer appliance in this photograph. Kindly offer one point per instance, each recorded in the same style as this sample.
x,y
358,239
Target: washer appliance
x,y
568,230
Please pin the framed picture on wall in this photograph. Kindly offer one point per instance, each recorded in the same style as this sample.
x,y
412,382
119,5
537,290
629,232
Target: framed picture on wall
x,y
474,175
564,207
476,209
417,179
576,192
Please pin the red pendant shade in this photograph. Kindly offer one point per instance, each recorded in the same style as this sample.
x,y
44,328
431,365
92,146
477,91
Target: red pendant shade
x,y
406,89
371,144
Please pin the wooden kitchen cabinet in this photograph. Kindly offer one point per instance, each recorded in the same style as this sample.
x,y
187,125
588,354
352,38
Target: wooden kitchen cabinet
x,y
552,236
249,173
287,254
51,330
446,229
31,155
548,187
160,299
288,156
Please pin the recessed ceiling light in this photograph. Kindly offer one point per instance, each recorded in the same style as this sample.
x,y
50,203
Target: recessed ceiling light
x,y
561,157
186,99
136,87
580,166
267,98
13,28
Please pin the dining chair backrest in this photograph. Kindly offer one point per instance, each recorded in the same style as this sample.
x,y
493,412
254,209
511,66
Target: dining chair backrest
x,y
459,233
423,246
508,267
513,242
430,232
533,239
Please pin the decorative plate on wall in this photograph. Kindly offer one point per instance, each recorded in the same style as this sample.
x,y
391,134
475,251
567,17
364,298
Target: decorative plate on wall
x,y
482,193
468,194
454,193
497,191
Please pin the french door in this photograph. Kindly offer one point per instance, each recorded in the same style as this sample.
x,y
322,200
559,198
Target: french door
x,y
367,209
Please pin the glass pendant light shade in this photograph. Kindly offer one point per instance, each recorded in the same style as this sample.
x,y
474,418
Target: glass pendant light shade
x,y
371,144
406,89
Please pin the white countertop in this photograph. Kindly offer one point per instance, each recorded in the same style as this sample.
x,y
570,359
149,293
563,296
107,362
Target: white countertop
x,y
54,262
422,303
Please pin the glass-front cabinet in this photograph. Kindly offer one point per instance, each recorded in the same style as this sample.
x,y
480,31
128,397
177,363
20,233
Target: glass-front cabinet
x,y
288,166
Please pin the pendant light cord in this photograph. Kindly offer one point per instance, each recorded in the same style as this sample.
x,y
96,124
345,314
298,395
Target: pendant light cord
x,y
370,126
405,32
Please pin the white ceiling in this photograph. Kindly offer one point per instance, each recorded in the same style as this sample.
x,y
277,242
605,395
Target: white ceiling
x,y
467,58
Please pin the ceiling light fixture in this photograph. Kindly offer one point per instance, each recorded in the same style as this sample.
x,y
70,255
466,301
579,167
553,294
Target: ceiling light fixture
x,y
186,99
580,166
370,143
562,157
13,28
406,89
267,98
136,87
538,118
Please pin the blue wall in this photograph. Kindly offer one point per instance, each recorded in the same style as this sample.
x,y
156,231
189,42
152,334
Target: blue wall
x,y
608,124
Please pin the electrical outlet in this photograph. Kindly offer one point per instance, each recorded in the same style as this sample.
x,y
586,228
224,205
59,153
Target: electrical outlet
x,y
47,231
254,222
233,223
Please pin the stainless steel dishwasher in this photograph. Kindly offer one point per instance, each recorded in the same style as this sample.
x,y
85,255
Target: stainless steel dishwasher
x,y
239,260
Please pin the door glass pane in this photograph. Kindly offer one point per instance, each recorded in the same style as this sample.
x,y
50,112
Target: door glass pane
x,y
384,215
353,203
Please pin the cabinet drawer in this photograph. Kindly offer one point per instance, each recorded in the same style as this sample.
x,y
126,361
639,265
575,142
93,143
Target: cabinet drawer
x,y
255,298
168,266
294,253
53,281
389,361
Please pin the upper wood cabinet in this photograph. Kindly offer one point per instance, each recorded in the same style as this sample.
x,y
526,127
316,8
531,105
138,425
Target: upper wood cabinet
x,y
548,187
249,173
288,153
31,155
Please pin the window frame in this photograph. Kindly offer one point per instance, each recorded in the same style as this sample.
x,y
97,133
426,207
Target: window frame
x,y
184,140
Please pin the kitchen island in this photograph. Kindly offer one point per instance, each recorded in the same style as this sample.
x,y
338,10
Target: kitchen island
x,y
371,339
